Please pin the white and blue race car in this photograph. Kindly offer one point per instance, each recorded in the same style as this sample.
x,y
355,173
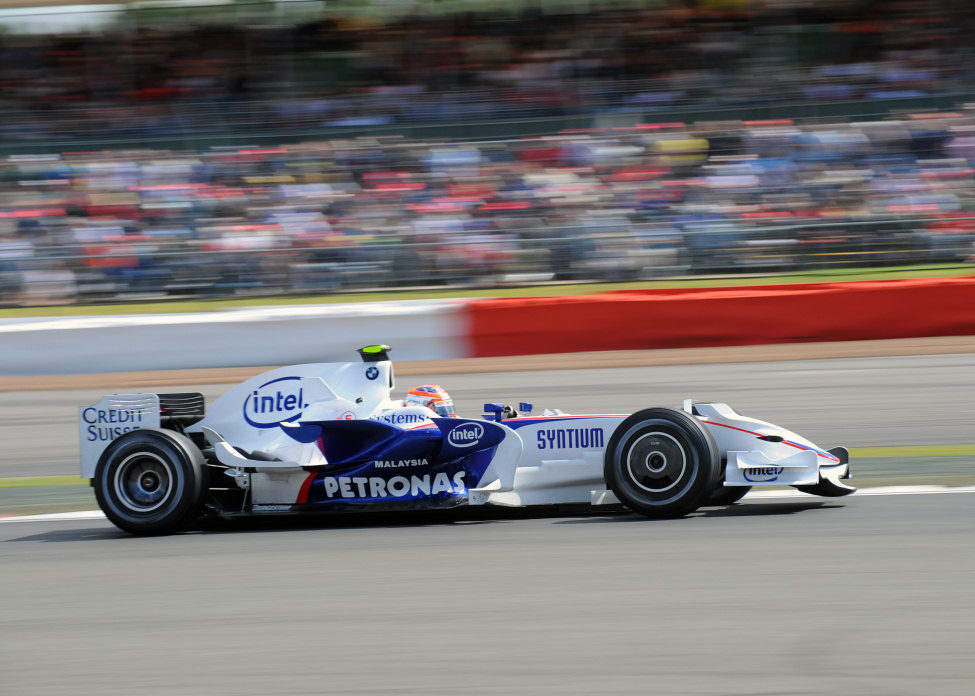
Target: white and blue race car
x,y
328,437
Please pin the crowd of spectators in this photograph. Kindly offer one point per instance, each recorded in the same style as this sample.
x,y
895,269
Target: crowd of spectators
x,y
610,203
156,78
613,204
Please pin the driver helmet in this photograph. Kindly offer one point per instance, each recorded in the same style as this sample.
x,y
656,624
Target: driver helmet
x,y
433,397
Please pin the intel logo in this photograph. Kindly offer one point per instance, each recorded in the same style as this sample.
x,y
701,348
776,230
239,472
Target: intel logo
x,y
274,402
466,435
765,474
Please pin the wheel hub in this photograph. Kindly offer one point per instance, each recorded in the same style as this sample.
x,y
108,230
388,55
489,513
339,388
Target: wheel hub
x,y
656,461
143,481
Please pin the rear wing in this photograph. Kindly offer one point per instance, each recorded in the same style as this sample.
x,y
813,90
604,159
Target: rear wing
x,y
115,414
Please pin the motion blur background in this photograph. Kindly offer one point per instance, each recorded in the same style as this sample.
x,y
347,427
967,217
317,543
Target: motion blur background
x,y
210,149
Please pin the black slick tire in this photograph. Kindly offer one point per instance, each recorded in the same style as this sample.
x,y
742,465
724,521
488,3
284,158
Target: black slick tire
x,y
662,463
150,481
727,495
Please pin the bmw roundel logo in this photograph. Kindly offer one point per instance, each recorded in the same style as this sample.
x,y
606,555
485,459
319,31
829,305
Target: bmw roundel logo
x,y
372,373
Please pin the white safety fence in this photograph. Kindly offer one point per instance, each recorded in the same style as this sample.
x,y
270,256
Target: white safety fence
x,y
419,330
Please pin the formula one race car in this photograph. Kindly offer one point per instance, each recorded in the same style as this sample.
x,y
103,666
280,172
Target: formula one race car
x,y
328,438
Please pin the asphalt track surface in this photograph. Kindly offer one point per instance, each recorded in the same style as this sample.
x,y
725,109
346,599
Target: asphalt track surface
x,y
857,402
862,595
859,595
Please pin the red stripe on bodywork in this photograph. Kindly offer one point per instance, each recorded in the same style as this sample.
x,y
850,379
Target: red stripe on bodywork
x,y
784,442
566,417
303,493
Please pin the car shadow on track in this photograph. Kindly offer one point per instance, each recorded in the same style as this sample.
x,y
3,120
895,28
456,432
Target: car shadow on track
x,y
431,518
486,515
74,535
755,509
776,509
292,523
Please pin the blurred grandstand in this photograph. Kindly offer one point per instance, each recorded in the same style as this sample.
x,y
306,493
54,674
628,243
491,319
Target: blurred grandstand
x,y
268,148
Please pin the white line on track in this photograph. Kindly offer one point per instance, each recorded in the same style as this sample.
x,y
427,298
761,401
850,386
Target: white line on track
x,y
754,495
57,517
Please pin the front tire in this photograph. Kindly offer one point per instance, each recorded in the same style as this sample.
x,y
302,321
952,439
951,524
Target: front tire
x,y
150,481
662,463
727,495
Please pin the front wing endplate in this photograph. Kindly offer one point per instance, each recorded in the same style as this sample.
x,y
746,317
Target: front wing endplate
x,y
757,469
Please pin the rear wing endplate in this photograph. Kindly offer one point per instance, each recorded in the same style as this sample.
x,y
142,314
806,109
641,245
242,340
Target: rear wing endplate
x,y
115,414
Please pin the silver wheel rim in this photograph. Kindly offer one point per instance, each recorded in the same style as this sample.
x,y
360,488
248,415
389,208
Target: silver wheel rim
x,y
656,461
143,481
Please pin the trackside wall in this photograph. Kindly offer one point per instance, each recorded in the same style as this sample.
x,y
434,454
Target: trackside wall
x,y
443,329
693,317
422,330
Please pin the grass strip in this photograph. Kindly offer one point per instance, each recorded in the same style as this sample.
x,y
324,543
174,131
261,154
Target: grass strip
x,y
550,289
952,481
46,508
913,451
42,481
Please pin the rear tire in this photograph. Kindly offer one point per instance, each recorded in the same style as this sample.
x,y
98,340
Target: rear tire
x,y
662,463
150,481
